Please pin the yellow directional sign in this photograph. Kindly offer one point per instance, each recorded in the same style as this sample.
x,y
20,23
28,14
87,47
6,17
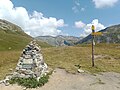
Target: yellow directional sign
x,y
93,27
96,33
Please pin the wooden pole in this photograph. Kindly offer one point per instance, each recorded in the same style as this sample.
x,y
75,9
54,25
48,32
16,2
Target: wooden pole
x,y
93,30
93,51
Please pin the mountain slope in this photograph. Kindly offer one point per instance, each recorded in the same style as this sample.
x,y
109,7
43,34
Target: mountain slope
x,y
12,37
59,40
110,35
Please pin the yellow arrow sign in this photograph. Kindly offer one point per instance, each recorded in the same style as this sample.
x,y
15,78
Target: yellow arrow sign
x,y
96,33
93,27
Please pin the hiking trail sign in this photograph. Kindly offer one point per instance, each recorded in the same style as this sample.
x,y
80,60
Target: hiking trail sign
x,y
93,36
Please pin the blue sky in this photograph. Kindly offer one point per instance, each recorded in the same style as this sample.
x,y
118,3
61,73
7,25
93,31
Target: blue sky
x,y
84,13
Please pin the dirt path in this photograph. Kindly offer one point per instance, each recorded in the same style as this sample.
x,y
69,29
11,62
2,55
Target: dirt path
x,y
60,80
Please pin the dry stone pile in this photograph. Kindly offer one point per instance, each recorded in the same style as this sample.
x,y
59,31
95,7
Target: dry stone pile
x,y
31,63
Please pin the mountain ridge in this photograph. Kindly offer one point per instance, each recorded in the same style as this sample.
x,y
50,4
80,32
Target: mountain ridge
x,y
59,40
110,35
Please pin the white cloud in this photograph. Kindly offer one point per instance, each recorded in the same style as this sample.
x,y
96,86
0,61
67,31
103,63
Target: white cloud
x,y
82,9
77,2
87,27
75,9
104,3
76,6
35,24
98,26
79,24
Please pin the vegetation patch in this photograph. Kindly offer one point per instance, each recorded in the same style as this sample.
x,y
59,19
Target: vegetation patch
x,y
30,82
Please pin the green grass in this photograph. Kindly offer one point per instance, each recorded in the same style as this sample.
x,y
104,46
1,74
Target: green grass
x,y
8,60
30,82
10,41
69,57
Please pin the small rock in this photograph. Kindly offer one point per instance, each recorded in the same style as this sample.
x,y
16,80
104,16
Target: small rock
x,y
24,88
11,69
9,48
6,82
1,82
80,71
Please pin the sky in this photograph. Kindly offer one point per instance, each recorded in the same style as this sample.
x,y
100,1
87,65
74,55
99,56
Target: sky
x,y
61,17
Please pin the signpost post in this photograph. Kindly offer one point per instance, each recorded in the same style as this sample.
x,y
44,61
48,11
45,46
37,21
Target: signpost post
x,y
93,31
93,36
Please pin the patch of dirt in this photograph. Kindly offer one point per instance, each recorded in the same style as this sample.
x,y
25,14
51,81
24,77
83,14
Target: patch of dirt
x,y
102,57
61,80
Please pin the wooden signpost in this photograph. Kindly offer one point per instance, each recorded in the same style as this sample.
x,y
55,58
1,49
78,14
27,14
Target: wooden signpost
x,y
93,36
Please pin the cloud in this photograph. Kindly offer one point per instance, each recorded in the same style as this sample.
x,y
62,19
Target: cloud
x,y
98,26
77,2
34,24
82,9
75,9
87,27
79,24
76,6
104,3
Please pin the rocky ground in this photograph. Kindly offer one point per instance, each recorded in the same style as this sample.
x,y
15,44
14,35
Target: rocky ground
x,y
61,80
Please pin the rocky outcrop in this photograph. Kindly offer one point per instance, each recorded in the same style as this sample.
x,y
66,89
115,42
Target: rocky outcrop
x,y
5,25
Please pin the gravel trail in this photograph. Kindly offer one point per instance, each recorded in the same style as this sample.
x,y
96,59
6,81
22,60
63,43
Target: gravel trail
x,y
61,80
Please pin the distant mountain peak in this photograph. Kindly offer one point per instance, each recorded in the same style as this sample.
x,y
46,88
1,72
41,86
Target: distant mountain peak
x,y
59,40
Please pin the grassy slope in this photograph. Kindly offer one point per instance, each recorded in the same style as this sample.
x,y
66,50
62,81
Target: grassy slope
x,y
8,59
15,41
68,57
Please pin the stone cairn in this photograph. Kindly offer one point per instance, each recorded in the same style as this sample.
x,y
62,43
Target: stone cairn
x,y
31,63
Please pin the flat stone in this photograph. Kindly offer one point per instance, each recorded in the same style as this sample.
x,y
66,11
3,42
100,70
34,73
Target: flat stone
x,y
27,61
27,66
80,71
